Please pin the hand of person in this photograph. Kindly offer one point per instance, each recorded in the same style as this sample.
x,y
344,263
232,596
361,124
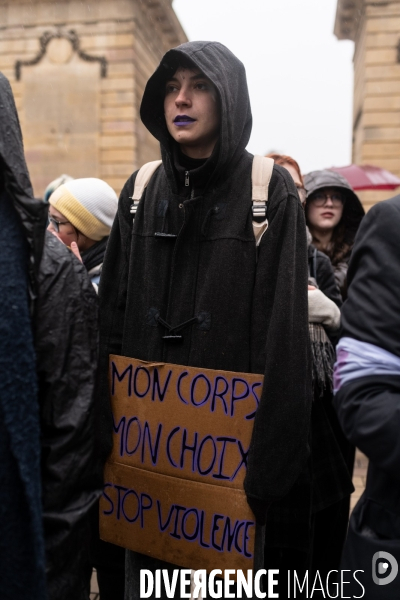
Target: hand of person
x,y
311,287
75,250
74,246
322,310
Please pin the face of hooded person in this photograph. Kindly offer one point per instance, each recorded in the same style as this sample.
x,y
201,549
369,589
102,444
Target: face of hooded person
x,y
66,232
325,209
192,112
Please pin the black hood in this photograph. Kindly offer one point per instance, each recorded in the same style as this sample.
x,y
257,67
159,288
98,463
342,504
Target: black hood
x,y
14,177
228,75
353,210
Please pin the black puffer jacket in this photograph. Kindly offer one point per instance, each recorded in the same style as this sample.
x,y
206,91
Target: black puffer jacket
x,y
66,346
353,212
64,308
258,308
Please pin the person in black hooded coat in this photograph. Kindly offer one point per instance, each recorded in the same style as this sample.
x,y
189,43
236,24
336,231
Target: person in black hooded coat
x,y
63,312
256,298
333,223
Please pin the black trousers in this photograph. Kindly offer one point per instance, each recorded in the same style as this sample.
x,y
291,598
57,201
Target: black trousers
x,y
287,560
330,530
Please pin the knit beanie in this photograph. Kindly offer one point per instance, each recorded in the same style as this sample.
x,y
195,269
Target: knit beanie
x,y
89,204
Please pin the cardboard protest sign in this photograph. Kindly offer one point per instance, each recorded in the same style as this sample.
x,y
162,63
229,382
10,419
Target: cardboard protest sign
x,y
174,481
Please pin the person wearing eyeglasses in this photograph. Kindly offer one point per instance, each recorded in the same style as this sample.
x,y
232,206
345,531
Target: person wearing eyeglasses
x,y
333,214
330,484
81,214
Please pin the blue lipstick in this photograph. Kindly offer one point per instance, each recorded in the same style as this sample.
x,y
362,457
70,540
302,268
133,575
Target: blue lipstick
x,y
182,120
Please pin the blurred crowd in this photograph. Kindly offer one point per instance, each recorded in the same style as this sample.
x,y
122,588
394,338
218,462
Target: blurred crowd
x,y
319,279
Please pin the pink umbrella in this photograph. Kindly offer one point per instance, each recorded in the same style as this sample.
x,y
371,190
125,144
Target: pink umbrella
x,y
368,177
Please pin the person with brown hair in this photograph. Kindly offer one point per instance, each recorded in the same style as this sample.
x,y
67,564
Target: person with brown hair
x,y
319,265
330,482
333,214
292,166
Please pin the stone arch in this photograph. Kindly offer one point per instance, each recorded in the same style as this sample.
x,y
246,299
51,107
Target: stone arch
x,y
60,109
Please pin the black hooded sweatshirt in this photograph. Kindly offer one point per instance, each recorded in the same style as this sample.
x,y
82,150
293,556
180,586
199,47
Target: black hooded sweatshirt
x,y
254,303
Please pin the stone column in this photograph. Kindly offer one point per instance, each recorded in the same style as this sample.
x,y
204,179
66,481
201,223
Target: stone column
x,y
375,28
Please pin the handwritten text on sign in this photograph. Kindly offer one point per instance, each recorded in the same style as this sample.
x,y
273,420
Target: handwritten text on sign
x,y
181,437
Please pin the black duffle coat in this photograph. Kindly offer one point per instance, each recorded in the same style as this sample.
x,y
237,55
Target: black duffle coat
x,y
249,305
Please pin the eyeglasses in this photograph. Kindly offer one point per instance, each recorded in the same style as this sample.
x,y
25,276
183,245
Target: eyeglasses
x,y
56,224
320,199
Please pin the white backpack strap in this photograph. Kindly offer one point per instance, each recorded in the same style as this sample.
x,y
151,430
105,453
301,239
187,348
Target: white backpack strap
x,y
143,177
261,176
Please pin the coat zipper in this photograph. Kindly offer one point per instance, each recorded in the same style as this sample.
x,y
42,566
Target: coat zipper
x,y
187,183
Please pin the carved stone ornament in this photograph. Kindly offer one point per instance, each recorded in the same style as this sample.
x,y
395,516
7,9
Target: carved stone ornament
x,y
63,56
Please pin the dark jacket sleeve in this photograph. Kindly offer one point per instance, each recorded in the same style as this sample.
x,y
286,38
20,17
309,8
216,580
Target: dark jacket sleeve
x,y
66,335
279,446
371,312
326,279
369,407
113,291
369,412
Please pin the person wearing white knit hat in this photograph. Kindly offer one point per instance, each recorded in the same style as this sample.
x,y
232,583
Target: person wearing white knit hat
x,y
82,212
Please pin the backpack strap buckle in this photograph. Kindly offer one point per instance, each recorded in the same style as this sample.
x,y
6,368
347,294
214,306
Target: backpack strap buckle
x,y
260,176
